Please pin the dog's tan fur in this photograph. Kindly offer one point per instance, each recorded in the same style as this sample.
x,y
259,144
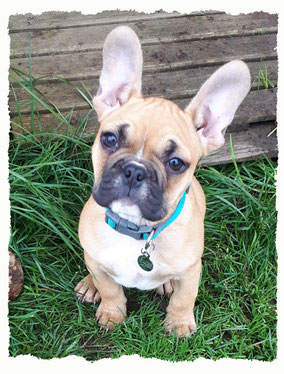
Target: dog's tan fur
x,y
152,122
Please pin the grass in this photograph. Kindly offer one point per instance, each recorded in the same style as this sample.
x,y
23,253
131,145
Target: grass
x,y
262,79
50,180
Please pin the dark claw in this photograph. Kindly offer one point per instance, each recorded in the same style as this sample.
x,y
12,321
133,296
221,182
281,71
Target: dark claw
x,y
81,296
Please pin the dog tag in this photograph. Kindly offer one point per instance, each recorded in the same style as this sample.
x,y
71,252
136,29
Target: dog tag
x,y
145,263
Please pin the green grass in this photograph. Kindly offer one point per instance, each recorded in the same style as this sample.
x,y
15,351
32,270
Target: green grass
x,y
50,180
262,79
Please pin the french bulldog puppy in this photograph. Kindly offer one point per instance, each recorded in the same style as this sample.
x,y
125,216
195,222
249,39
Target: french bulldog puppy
x,y
143,225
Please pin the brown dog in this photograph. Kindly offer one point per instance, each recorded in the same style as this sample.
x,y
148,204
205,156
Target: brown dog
x,y
143,226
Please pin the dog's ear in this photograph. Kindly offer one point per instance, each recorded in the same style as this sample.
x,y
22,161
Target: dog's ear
x,y
122,70
213,108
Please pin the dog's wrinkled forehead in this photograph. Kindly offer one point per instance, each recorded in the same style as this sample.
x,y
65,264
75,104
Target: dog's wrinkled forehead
x,y
152,125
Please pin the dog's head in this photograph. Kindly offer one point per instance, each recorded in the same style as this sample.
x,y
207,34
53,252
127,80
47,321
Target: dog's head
x,y
147,149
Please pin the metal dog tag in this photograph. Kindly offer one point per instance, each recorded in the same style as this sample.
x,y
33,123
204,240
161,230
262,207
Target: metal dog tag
x,y
144,262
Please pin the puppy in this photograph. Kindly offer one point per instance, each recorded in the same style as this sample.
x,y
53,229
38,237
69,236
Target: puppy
x,y
143,225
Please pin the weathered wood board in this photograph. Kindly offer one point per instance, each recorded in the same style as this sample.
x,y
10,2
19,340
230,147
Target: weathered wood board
x,y
63,54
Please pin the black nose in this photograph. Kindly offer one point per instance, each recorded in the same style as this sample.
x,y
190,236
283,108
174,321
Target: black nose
x,y
134,174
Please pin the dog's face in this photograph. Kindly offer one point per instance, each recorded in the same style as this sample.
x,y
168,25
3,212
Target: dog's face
x,y
147,149
144,158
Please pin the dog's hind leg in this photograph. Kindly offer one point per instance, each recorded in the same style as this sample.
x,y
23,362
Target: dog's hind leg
x,y
166,288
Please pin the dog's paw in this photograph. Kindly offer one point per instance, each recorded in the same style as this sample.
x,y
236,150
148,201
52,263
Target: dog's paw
x,y
166,288
86,292
108,317
182,328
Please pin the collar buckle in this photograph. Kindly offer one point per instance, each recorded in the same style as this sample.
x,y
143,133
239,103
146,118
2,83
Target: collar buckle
x,y
126,227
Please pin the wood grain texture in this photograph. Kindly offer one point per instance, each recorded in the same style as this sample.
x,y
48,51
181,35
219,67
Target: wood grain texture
x,y
258,106
61,20
157,58
61,41
180,52
259,140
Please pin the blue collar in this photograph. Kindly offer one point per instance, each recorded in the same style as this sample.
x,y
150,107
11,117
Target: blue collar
x,y
142,232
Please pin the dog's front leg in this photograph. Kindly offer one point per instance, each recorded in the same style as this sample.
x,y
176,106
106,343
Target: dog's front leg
x,y
98,285
180,309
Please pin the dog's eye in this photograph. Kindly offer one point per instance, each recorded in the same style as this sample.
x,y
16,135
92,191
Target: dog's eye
x,y
176,165
109,140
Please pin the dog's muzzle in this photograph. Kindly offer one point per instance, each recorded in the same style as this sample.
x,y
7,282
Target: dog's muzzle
x,y
139,181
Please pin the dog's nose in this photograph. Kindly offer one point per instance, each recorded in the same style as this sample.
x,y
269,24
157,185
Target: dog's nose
x,y
134,174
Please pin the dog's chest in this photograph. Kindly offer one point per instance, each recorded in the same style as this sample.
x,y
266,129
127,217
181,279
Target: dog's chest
x,y
120,261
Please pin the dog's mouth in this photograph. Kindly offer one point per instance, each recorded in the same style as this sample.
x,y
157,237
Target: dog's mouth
x,y
127,209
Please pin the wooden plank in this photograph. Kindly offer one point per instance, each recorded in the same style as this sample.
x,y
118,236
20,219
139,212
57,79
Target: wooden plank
x,y
251,144
258,106
46,123
154,41
166,30
60,20
176,85
179,84
177,56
